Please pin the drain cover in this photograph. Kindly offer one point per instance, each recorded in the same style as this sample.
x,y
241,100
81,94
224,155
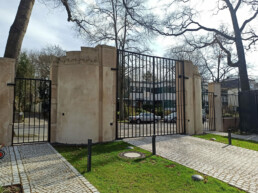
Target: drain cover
x,y
132,155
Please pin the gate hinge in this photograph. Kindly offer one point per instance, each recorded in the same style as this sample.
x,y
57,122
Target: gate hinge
x,y
115,69
182,76
10,84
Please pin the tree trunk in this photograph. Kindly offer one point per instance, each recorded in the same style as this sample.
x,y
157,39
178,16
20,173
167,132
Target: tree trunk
x,y
18,29
244,81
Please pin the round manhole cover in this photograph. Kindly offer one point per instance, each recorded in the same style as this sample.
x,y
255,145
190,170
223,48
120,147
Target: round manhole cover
x,y
132,155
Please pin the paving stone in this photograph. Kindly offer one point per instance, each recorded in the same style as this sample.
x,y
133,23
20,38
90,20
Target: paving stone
x,y
234,165
9,172
43,169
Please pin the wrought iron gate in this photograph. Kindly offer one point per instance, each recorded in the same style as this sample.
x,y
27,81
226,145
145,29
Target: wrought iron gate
x,y
148,102
31,111
208,111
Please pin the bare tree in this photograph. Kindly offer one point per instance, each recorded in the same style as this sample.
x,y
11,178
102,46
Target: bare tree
x,y
107,21
211,60
42,60
183,21
18,29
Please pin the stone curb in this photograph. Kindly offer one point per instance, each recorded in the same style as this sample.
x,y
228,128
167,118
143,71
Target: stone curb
x,y
24,179
16,177
86,182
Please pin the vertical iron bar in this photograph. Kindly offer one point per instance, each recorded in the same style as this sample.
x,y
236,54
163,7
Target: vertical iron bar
x,y
49,110
154,92
160,99
29,111
153,145
19,106
135,70
166,95
137,132
40,106
128,106
35,88
14,96
46,89
123,90
117,73
134,94
89,155
147,85
229,136
24,109
184,95
170,94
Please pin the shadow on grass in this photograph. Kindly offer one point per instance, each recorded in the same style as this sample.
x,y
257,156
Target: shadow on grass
x,y
241,140
102,154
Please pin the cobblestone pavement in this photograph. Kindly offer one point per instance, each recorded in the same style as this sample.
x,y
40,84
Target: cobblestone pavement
x,y
8,168
234,165
43,169
252,137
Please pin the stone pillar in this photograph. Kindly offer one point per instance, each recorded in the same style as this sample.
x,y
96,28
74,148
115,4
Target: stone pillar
x,y
192,95
7,75
216,89
84,96
53,77
107,93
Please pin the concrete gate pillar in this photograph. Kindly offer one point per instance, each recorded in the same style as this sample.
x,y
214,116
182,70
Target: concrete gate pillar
x,y
84,96
192,122
7,73
217,115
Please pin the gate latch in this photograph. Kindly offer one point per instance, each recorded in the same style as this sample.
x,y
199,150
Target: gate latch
x,y
10,84
115,69
182,76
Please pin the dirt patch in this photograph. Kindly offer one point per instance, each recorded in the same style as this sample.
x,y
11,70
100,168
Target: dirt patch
x,y
11,189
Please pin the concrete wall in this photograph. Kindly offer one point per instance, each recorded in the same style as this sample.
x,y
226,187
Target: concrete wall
x,y
83,96
193,99
7,72
230,123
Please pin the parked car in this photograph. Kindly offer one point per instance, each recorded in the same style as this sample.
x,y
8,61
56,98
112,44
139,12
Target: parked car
x,y
170,118
144,117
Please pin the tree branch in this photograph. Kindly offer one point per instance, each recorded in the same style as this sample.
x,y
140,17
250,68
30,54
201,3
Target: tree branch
x,y
230,63
184,28
248,20
238,4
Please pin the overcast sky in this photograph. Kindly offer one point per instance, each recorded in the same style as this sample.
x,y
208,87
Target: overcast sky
x,y
49,26
46,26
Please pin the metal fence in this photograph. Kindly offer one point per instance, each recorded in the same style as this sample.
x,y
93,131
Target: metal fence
x,y
31,111
146,96
208,111
248,111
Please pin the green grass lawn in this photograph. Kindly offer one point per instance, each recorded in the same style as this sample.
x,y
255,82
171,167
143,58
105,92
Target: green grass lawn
x,y
253,145
111,173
